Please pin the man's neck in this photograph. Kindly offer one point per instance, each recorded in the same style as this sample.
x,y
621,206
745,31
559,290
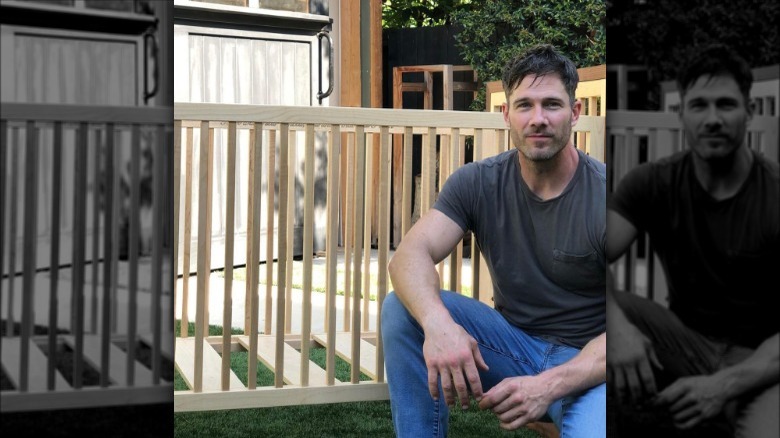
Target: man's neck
x,y
722,179
548,179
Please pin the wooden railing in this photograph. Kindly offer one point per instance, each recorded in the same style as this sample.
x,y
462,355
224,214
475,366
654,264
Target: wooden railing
x,y
347,141
634,137
105,320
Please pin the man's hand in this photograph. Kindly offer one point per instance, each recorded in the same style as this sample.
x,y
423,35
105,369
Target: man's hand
x,y
630,355
517,401
691,400
450,352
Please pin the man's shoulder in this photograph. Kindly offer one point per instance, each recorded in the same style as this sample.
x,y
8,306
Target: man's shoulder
x,y
770,168
498,160
664,168
487,169
594,166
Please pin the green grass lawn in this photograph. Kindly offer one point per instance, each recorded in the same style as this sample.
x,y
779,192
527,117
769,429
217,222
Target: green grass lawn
x,y
360,419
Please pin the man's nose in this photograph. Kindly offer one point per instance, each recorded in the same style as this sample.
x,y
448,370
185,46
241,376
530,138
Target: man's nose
x,y
713,118
538,116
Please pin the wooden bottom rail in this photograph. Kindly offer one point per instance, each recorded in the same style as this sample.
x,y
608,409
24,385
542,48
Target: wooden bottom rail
x,y
64,396
269,396
292,393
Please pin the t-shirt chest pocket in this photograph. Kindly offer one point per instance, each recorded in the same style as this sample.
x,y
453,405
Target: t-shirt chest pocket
x,y
577,272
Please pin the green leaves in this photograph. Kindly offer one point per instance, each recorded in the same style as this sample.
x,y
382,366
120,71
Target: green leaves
x,y
489,36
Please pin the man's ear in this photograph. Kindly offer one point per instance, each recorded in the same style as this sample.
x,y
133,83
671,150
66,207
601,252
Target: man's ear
x,y
505,111
576,109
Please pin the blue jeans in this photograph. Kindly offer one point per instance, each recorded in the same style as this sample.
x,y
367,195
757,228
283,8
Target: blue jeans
x,y
685,352
508,352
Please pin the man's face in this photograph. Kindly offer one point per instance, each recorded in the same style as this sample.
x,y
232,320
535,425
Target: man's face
x,y
714,116
540,116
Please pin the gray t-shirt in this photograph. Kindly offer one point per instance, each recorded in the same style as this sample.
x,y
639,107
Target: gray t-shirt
x,y
546,258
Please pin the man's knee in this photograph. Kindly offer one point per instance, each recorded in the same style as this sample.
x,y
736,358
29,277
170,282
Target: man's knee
x,y
394,314
759,417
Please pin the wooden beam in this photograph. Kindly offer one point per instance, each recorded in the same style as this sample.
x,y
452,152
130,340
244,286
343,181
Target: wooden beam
x,y
350,91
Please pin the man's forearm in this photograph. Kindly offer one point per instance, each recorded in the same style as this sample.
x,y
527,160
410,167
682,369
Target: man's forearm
x,y
585,370
416,282
760,369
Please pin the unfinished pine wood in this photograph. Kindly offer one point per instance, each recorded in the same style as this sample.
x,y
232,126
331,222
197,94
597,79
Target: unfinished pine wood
x,y
358,212
292,161
110,251
185,320
308,251
344,350
281,276
117,369
186,401
54,262
230,222
428,171
79,232
79,113
30,234
406,218
211,377
266,353
88,397
37,380
349,227
338,115
14,188
456,258
331,242
367,220
254,247
251,266
6,183
177,146
204,254
270,224
96,209
166,343
135,173
384,240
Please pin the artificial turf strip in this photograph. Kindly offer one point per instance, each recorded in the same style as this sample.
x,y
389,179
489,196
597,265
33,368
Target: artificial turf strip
x,y
358,419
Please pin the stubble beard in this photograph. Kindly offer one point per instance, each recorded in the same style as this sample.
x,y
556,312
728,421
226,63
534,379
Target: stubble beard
x,y
531,153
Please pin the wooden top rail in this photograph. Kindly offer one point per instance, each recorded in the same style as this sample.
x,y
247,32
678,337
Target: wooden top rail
x,y
337,116
432,68
667,120
86,113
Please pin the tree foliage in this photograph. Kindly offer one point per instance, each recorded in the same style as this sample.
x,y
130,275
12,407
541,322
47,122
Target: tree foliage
x,y
498,30
399,14
662,34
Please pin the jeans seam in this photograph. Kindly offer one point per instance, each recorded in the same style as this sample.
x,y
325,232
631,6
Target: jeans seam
x,y
437,422
501,352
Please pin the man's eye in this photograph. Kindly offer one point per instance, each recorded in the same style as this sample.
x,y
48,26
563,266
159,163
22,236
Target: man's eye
x,y
553,105
523,105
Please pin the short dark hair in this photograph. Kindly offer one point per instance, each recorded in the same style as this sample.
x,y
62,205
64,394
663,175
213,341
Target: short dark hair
x,y
715,60
540,60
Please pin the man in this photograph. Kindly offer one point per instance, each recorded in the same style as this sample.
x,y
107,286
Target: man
x,y
538,214
712,216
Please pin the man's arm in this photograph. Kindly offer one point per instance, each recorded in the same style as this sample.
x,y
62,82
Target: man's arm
x,y
630,352
693,399
450,352
518,401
